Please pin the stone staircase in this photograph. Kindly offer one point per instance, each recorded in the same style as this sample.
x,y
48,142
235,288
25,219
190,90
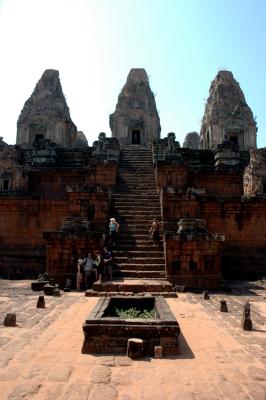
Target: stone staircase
x,y
135,202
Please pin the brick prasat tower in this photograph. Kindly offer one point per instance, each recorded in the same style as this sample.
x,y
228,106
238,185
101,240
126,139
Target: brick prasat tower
x,y
136,120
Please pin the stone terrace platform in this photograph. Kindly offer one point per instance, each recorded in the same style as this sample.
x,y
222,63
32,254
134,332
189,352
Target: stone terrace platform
x,y
41,358
127,285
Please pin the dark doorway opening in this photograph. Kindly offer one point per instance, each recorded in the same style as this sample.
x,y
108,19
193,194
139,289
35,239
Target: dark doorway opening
x,y
234,139
264,188
5,184
192,265
38,138
90,212
135,136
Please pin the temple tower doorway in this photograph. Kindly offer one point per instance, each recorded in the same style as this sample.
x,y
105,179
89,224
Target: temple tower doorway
x,y
135,136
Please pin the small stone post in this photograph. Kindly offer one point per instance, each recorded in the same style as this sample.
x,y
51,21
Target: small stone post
x,y
223,306
246,322
158,351
206,295
135,348
40,302
10,319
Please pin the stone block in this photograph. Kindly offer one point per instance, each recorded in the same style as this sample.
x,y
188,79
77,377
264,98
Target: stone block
x,y
206,295
223,306
48,289
40,302
10,320
38,286
135,348
158,351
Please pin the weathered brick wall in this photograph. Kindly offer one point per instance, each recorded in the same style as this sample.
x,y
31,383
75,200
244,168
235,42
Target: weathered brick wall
x,y
240,219
218,183
195,263
175,175
179,176
63,251
54,182
22,223
53,196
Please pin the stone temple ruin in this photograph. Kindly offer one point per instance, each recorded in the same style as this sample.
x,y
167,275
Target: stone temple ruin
x,y
57,193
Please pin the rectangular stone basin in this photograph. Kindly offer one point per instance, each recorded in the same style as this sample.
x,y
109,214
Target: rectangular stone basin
x,y
106,333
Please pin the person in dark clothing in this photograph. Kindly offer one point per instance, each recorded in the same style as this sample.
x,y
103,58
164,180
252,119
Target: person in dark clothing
x,y
107,259
100,265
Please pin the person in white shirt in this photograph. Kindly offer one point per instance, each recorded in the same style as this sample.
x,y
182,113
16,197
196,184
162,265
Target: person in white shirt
x,y
89,267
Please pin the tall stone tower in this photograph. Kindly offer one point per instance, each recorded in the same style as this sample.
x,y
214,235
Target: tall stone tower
x,y
136,120
227,116
45,114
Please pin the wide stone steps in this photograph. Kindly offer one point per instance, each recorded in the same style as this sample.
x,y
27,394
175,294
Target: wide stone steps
x,y
124,259
130,224
134,254
128,233
139,274
135,195
135,203
134,228
139,267
138,201
140,248
137,210
133,180
134,285
135,186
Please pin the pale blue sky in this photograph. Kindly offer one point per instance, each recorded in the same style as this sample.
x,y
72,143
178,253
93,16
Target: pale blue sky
x,y
94,43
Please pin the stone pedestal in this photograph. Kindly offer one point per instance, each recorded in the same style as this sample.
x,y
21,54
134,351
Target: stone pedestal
x,y
223,306
246,322
206,295
40,302
135,348
10,319
158,351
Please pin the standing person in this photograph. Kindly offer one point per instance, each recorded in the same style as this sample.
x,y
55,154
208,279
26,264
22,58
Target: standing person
x,y
89,268
99,265
155,232
79,274
113,229
107,259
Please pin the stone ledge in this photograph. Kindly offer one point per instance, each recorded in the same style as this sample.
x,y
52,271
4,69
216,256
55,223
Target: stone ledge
x,y
93,293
